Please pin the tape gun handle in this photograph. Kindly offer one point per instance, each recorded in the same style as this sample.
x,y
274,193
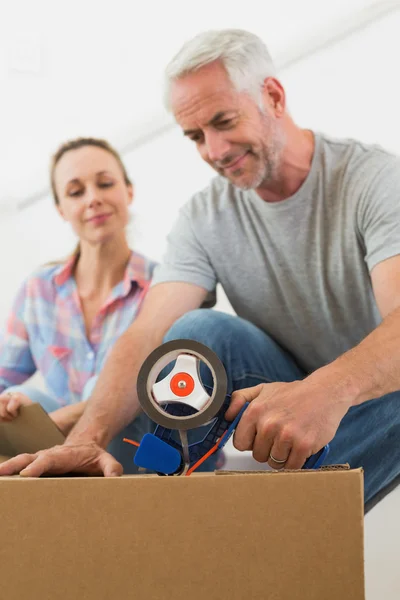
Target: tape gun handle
x,y
317,459
232,426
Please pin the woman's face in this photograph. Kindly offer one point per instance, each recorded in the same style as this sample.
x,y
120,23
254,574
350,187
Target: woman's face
x,y
93,195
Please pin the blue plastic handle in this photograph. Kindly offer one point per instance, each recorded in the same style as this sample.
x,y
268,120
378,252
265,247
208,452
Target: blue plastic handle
x,y
232,426
316,460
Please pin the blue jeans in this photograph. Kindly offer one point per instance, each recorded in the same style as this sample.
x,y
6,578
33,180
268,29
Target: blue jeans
x,y
369,434
122,451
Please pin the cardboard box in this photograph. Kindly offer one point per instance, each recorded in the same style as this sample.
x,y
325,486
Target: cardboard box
x,y
225,536
31,431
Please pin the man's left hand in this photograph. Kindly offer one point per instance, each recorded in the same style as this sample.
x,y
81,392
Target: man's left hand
x,y
287,422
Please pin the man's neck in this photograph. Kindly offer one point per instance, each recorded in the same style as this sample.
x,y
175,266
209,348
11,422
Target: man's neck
x,y
294,166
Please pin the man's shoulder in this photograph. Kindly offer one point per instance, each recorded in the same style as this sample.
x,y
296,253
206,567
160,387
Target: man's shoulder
x,y
355,155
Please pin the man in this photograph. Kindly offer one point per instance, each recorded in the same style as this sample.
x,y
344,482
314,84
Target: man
x,y
303,234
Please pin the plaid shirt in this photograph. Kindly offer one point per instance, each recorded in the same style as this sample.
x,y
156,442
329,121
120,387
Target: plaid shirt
x,y
46,329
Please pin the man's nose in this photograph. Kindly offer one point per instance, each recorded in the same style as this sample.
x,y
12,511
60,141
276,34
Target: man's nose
x,y
217,146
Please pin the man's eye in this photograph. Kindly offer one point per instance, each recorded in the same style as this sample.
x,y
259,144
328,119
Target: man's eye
x,y
225,122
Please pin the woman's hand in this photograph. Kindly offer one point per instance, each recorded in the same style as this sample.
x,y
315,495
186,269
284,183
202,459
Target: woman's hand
x,y
10,403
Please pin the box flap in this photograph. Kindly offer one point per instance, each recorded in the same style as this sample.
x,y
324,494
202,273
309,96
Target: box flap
x,y
31,431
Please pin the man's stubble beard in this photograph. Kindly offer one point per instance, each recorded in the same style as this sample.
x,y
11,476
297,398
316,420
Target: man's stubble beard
x,y
269,157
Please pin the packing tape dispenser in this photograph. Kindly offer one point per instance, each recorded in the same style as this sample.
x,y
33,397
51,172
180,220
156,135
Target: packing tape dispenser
x,y
189,415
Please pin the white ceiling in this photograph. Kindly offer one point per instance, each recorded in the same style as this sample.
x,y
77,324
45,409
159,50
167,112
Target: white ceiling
x,y
91,67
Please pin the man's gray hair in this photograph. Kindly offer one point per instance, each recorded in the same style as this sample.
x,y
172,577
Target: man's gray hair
x,y
243,54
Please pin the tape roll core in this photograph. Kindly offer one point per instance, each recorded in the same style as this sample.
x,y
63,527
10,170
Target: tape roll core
x,y
161,356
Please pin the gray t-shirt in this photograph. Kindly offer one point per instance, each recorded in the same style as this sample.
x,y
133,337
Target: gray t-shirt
x,y
299,268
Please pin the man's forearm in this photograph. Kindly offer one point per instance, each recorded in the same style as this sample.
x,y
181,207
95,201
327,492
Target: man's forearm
x,y
114,403
66,417
370,369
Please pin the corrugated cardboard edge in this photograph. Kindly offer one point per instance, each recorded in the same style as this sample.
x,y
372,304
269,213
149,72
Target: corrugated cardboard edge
x,y
345,467
303,472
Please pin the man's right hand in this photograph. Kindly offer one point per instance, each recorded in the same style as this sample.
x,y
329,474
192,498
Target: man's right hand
x,y
87,458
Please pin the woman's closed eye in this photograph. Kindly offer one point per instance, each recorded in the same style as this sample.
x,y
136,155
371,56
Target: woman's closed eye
x,y
105,184
75,193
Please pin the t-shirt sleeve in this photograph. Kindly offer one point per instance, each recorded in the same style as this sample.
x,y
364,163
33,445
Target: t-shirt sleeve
x,y
379,214
186,259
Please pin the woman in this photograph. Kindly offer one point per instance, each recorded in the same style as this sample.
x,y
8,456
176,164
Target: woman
x,y
67,316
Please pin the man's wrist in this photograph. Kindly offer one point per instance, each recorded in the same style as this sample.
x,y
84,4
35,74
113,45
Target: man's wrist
x,y
337,383
85,433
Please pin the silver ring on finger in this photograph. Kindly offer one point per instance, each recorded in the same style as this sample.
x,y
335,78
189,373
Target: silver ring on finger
x,y
278,462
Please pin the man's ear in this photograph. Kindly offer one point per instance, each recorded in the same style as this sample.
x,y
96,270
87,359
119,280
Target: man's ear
x,y
274,96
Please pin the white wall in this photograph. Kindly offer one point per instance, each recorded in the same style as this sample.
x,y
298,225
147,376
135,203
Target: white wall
x,y
92,66
350,89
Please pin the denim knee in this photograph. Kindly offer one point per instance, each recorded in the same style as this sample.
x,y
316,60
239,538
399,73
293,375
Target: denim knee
x,y
200,325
